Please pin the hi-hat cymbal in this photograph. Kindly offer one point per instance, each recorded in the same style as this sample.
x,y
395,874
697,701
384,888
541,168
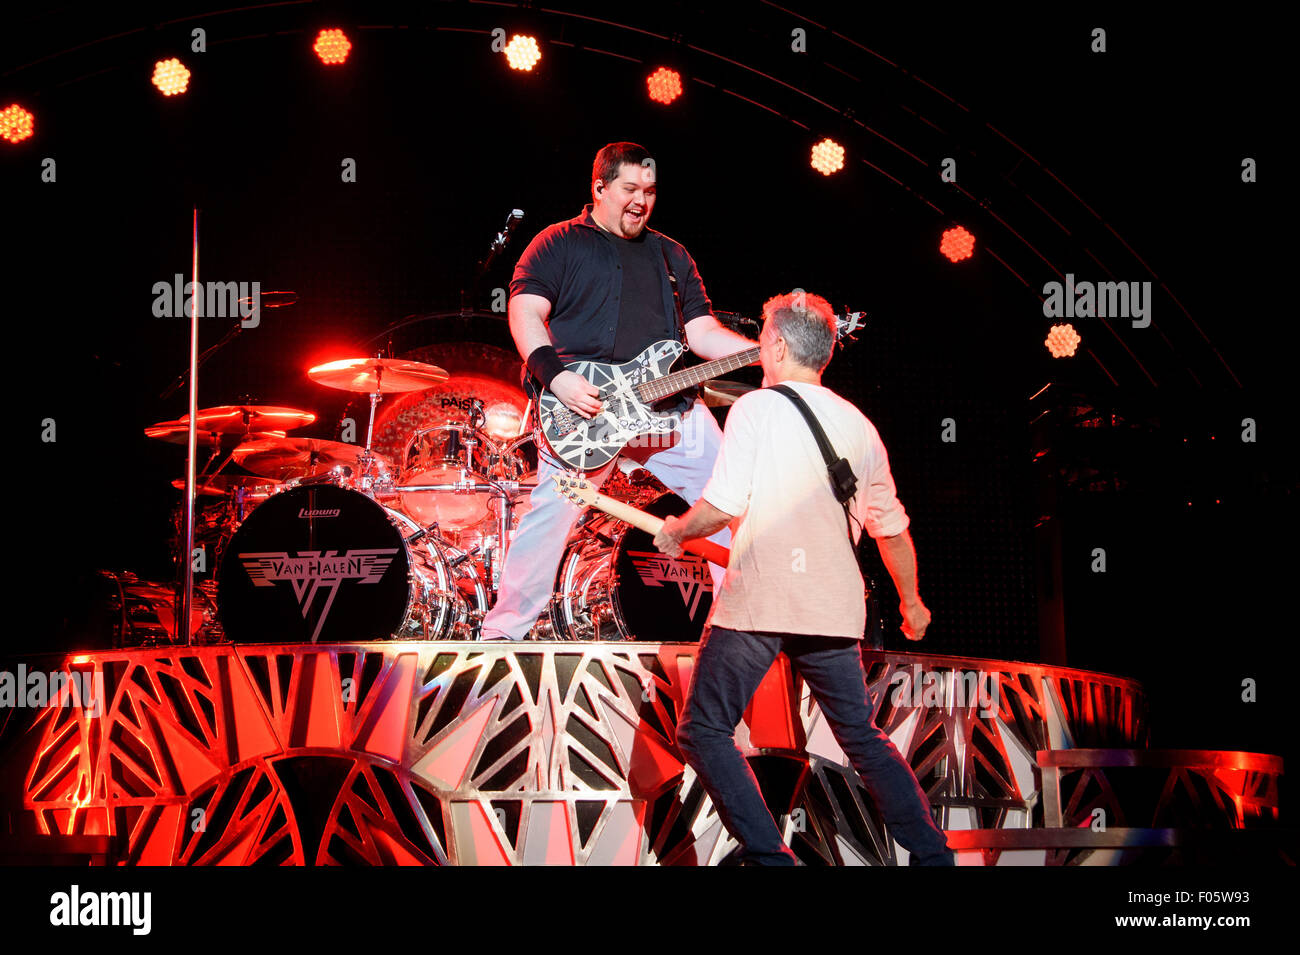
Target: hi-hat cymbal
x,y
719,393
178,432
221,484
236,419
287,458
382,375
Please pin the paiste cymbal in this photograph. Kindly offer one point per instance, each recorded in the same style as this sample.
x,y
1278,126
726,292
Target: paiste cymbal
x,y
383,375
287,458
719,393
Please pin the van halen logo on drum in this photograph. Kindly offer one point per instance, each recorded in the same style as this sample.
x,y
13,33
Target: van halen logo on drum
x,y
313,571
690,573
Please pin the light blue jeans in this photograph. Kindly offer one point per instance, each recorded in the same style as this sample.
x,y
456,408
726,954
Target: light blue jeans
x,y
528,576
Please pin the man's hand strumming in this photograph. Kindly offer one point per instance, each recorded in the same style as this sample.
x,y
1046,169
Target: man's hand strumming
x,y
577,393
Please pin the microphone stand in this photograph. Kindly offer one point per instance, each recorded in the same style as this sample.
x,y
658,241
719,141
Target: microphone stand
x,y
183,605
184,376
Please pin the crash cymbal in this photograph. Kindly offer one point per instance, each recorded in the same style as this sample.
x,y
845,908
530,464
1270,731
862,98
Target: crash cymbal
x,y
719,393
382,375
220,484
287,458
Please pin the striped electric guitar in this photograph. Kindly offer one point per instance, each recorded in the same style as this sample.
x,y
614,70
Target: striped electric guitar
x,y
584,495
628,391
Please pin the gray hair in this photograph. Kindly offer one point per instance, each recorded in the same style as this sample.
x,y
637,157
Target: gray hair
x,y
807,323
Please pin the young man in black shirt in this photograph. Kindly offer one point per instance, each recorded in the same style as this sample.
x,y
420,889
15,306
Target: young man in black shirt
x,y
596,287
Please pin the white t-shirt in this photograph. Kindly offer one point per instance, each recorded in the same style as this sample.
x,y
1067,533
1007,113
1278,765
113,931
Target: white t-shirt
x,y
792,569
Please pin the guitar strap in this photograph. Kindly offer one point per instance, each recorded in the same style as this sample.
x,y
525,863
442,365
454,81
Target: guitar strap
x,y
677,298
843,482
688,395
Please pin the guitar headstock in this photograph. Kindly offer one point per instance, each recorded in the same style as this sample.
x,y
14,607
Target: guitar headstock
x,y
848,324
577,490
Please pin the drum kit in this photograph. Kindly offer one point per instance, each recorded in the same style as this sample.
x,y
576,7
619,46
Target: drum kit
x,y
328,541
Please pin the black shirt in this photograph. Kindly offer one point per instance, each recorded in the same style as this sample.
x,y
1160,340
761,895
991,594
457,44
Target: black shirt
x,y
641,318
579,268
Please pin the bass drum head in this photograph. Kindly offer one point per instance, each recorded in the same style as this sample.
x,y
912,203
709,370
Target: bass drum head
x,y
660,598
318,564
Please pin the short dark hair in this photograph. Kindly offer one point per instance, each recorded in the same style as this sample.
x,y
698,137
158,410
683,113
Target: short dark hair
x,y
611,158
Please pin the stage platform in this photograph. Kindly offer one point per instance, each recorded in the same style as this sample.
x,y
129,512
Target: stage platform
x,y
506,754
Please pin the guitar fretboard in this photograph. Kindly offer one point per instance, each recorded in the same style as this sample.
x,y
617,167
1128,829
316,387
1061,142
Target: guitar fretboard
x,y
652,391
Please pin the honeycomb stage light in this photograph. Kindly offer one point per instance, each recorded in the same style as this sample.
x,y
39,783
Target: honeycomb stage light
x,y
957,244
522,52
332,46
828,157
16,123
171,77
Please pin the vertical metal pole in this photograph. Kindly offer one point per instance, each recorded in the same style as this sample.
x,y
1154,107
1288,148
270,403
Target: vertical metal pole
x,y
187,591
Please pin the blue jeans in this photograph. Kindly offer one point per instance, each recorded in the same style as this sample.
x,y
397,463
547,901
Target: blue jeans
x,y
538,545
728,670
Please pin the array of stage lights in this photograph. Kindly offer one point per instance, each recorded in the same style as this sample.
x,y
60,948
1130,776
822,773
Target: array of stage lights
x,y
664,85
957,244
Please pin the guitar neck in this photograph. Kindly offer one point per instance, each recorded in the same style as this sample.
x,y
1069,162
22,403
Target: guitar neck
x,y
639,519
695,375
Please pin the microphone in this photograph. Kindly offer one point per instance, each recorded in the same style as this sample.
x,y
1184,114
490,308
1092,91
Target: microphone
x,y
503,237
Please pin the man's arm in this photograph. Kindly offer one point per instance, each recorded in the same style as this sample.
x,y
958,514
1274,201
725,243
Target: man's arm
x,y
899,557
528,314
709,339
702,520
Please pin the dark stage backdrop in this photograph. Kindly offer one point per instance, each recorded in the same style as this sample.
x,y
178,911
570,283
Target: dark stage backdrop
x,y
1149,136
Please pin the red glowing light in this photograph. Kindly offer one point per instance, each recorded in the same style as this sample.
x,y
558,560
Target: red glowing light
x,y
522,52
828,157
1062,341
332,46
665,85
957,244
16,124
171,76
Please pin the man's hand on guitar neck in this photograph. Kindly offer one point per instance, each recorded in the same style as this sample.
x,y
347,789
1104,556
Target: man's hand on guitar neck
x,y
577,393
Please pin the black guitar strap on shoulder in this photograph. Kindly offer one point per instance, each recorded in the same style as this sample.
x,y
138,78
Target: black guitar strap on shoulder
x,y
844,486
843,483
677,298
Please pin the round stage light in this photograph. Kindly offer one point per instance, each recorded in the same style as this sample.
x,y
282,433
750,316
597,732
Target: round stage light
x,y
1062,341
16,123
522,52
957,244
828,157
665,85
171,76
332,46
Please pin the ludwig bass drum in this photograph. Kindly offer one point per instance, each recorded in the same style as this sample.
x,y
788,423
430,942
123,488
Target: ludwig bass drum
x,y
614,584
326,564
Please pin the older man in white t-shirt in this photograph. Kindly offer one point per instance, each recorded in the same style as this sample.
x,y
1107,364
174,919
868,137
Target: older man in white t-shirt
x,y
793,584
